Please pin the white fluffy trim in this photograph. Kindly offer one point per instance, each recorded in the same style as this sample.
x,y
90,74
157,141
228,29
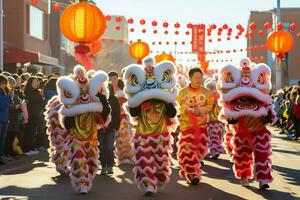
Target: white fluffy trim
x,y
138,71
96,83
261,68
67,84
159,94
81,109
243,91
159,72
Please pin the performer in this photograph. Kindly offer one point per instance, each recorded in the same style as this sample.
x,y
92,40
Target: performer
x,y
246,103
124,135
215,127
58,137
196,103
151,100
85,109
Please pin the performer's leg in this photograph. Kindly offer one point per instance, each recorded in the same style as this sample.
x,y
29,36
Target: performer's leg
x,y
79,169
92,153
144,168
262,157
188,156
162,158
216,132
227,139
242,157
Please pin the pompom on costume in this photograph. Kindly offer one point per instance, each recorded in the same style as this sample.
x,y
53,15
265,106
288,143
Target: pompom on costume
x,y
193,138
215,127
152,92
124,136
246,103
84,111
58,137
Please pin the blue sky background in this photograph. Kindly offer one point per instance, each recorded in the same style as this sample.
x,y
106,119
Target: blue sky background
x,y
232,12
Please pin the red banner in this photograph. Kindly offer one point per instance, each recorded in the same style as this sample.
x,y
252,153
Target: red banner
x,y
198,41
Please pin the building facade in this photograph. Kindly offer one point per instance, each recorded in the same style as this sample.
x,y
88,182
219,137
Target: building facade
x,y
287,71
26,36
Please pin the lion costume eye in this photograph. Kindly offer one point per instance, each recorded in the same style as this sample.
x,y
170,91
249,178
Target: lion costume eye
x,y
261,78
229,78
166,76
67,94
133,80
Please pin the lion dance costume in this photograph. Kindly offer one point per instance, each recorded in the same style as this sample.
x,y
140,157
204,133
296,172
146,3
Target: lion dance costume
x,y
246,103
58,137
151,100
82,113
124,136
215,127
193,138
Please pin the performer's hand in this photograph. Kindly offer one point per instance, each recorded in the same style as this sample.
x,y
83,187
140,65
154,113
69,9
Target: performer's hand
x,y
101,96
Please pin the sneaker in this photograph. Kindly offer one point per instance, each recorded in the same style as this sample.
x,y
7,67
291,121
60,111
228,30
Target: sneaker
x,y
29,153
215,157
245,182
103,171
35,152
263,185
110,170
83,191
149,192
195,181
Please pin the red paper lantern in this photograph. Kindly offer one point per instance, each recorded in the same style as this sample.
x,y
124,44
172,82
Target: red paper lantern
x,y
208,33
131,30
154,23
144,31
225,26
33,2
210,40
175,43
118,19
239,26
183,43
213,26
298,35
159,43
176,32
130,21
252,26
228,38
121,40
155,31
201,26
165,24
267,25
56,7
117,28
280,41
293,26
262,57
108,17
279,26
142,22
260,32
187,32
166,32
220,29
219,39
189,25
219,33
167,43
153,43
112,40
237,37
177,25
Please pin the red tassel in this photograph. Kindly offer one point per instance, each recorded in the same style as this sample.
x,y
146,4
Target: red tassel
x,y
82,49
280,56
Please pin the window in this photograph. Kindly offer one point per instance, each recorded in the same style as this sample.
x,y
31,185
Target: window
x,y
36,22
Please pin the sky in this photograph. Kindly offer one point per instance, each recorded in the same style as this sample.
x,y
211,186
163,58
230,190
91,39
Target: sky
x,y
219,12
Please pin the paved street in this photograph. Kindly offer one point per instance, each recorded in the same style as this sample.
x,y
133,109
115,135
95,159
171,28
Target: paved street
x,y
36,178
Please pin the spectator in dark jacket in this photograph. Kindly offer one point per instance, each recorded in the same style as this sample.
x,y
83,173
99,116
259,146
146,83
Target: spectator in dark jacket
x,y
107,135
15,111
5,101
35,107
50,88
